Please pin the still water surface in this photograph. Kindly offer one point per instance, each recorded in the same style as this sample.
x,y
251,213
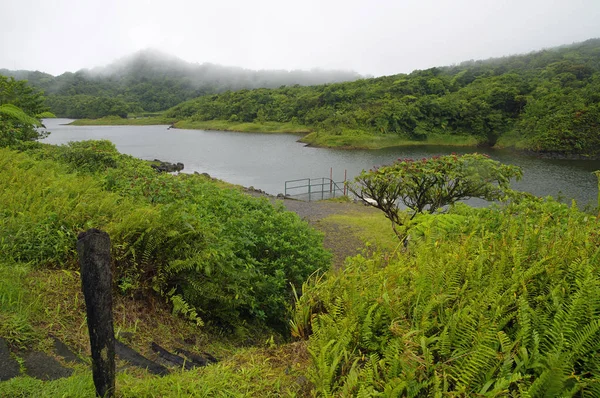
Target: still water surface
x,y
266,161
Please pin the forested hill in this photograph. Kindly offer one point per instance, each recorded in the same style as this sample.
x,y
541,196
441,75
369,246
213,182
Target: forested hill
x,y
544,101
150,81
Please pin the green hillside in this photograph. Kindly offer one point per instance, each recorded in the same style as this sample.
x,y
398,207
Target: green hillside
x,y
546,101
502,301
150,81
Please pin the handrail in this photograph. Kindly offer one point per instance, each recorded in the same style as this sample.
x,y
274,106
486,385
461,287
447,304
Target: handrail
x,y
312,186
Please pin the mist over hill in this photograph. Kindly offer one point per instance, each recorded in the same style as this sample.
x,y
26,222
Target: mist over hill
x,y
546,101
151,81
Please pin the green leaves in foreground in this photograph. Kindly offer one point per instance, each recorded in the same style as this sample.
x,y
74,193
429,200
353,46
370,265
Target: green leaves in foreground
x,y
505,304
216,254
430,184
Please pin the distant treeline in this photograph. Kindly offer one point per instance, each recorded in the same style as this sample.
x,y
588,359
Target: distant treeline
x,y
545,101
149,82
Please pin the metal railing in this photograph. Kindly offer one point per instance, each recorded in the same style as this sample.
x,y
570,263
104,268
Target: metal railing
x,y
315,188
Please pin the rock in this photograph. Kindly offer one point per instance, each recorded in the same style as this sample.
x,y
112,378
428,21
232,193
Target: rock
x,y
166,167
174,359
44,367
128,354
65,352
9,368
280,195
197,360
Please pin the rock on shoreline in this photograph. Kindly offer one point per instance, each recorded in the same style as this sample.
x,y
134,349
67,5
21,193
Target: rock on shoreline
x,y
166,167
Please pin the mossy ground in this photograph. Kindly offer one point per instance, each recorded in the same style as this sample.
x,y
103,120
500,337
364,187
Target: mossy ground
x,y
48,302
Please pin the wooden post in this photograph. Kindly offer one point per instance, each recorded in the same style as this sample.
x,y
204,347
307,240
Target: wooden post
x,y
330,180
345,176
93,248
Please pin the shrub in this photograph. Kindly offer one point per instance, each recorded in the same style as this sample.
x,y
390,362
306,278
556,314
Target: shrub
x,y
467,311
213,252
431,184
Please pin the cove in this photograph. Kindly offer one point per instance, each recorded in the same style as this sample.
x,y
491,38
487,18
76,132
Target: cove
x,y
266,161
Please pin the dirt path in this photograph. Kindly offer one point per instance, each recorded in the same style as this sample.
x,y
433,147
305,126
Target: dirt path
x,y
339,239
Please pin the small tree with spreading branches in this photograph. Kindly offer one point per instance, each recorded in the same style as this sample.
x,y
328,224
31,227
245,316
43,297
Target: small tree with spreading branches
x,y
430,184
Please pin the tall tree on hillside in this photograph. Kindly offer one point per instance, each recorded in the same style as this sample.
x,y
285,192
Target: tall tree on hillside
x,y
20,110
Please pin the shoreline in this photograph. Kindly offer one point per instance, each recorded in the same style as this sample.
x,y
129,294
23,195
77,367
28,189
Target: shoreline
x,y
317,139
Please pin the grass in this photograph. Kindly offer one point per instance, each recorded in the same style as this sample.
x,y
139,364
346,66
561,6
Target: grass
x,y
43,208
362,140
371,228
489,302
348,139
260,372
119,121
35,303
223,125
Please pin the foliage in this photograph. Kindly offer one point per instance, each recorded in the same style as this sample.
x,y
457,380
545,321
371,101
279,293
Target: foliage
x,y
545,101
249,372
153,82
15,311
38,302
225,255
20,107
467,311
119,121
433,183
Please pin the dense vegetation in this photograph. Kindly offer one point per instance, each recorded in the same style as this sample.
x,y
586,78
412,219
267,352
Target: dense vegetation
x,y
491,302
409,187
150,81
545,101
498,301
215,254
229,258
21,108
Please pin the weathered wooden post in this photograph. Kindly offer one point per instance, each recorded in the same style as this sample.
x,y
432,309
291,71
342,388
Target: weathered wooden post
x,y
93,248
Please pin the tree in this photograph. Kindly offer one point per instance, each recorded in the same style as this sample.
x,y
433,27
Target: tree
x,y
20,107
430,184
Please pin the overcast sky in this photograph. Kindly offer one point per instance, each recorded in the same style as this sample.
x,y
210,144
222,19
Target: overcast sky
x,y
376,37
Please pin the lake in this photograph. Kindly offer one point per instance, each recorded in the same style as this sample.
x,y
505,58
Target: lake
x,y
266,161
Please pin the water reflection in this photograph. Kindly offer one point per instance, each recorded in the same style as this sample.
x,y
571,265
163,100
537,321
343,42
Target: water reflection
x,y
266,161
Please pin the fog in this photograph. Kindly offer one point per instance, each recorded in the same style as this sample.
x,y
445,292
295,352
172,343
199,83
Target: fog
x,y
376,37
151,63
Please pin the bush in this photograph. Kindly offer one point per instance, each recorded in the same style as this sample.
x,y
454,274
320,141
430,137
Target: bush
x,y
213,252
467,311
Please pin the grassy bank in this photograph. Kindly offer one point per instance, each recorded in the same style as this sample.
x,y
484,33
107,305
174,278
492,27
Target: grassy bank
x,y
194,261
37,303
464,310
361,140
347,140
119,121
224,125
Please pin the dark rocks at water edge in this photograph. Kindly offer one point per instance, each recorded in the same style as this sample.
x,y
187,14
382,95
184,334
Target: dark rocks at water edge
x,y
166,167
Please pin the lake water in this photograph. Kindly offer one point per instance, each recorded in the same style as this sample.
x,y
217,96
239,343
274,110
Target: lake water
x,y
266,161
